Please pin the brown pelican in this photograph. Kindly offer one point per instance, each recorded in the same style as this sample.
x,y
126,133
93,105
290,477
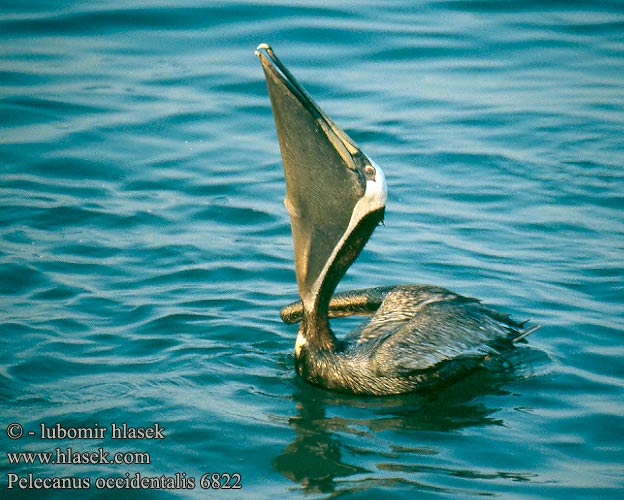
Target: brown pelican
x,y
336,196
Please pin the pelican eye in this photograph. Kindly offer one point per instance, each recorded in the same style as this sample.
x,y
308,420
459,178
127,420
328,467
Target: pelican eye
x,y
370,172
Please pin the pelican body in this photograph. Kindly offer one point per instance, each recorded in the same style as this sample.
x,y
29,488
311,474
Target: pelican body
x,y
336,196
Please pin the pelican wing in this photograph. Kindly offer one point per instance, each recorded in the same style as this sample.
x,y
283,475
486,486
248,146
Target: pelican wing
x,y
418,327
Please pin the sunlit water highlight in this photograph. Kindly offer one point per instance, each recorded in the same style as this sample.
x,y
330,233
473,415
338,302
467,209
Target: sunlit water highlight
x,y
145,250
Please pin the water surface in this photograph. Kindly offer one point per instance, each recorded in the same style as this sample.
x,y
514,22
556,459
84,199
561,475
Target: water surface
x,y
145,250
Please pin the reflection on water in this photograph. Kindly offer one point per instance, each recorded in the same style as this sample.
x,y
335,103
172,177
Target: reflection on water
x,y
333,431
145,250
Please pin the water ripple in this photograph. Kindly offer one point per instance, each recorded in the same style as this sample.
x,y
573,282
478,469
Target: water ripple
x,y
145,250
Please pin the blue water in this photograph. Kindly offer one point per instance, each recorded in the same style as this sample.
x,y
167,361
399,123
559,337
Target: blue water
x,y
145,250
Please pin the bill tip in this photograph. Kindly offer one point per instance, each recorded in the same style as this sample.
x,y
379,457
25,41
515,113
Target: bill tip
x,y
262,46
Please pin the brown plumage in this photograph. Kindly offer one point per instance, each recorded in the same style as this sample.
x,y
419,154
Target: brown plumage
x,y
335,195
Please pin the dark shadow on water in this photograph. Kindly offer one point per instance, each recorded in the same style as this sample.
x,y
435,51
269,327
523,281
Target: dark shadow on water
x,y
322,454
